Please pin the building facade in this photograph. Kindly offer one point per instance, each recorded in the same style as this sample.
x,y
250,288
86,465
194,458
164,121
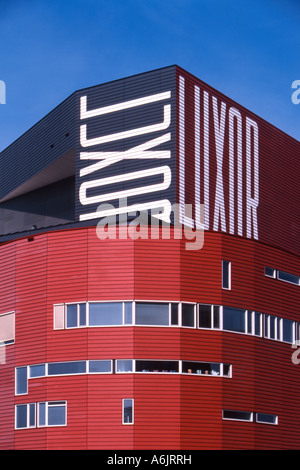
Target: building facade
x,y
150,273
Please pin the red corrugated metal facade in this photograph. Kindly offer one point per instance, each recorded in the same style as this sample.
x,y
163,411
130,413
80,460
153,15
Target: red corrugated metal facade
x,y
257,378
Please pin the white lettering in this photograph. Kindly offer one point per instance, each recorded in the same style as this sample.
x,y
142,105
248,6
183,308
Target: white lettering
x,y
252,202
235,114
296,94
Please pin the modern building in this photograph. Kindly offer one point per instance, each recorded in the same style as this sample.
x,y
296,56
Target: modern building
x,y
177,330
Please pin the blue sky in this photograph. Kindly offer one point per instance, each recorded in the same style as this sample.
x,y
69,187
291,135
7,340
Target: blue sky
x,y
248,49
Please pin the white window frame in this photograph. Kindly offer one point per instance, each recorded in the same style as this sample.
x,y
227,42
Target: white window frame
x,y
265,422
99,360
195,315
50,404
123,410
273,275
284,280
28,425
78,315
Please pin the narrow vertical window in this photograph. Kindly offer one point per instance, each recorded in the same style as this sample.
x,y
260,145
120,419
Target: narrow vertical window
x,y
21,381
226,275
127,412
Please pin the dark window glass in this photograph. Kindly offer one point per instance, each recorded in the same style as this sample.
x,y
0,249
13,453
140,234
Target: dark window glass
x,y
226,370
82,314
105,314
100,366
271,327
226,274
287,330
234,319
239,415
204,316
270,272
56,414
37,371
283,276
206,368
22,384
60,368
21,421
42,414
257,324
188,318
266,418
128,313
152,314
128,411
124,365
71,316
156,366
32,414
216,316
174,314
249,323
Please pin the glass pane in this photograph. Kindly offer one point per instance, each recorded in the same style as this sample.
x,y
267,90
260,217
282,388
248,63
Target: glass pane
x,y
21,416
226,370
37,371
105,314
287,330
266,418
225,274
271,327
56,415
204,316
127,411
124,365
283,276
239,415
82,314
174,314
71,316
99,366
233,319
270,272
249,323
42,414
32,414
216,316
152,314
156,366
257,324
188,315
58,368
206,368
128,313
21,377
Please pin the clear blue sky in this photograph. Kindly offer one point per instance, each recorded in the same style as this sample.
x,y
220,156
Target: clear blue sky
x,y
247,49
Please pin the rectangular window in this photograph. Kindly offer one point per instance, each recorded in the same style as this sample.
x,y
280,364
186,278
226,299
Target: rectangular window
x,y
156,366
56,413
128,313
287,327
21,417
226,275
59,317
200,368
127,411
270,272
106,314
174,314
266,418
287,277
238,415
100,367
234,319
65,368
76,315
124,365
41,414
188,315
152,314
204,316
21,381
257,324
37,371
7,328
272,327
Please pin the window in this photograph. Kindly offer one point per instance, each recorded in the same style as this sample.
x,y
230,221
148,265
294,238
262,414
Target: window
x,y
270,272
287,277
156,366
226,275
127,313
234,319
65,368
127,411
188,315
7,328
105,314
76,315
124,365
25,416
21,381
204,316
266,418
152,314
272,327
100,367
52,413
287,327
38,370
238,415
203,368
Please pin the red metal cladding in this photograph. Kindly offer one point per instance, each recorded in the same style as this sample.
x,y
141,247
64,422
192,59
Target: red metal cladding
x,y
174,411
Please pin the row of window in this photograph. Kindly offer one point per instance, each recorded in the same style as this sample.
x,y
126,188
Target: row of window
x,y
282,276
43,414
250,416
24,373
187,315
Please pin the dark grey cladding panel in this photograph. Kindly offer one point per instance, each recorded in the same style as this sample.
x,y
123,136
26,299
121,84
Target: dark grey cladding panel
x,y
136,117
40,146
